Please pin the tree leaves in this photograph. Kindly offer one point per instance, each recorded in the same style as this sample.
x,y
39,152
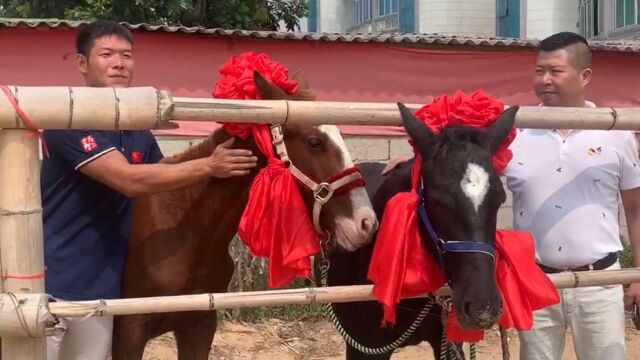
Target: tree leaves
x,y
228,14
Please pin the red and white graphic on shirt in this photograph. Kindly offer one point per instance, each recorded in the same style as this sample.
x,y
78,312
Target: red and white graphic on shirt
x,y
137,157
88,143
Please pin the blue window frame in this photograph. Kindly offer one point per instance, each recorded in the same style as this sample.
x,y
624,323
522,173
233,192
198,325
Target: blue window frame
x,y
626,13
313,16
387,7
362,11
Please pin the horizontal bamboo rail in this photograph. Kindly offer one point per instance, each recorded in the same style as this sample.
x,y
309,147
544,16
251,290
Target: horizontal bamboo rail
x,y
334,294
149,108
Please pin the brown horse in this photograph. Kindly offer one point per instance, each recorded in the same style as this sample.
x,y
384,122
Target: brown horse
x,y
179,240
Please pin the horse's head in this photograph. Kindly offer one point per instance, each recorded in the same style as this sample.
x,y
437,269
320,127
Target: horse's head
x,y
319,158
462,195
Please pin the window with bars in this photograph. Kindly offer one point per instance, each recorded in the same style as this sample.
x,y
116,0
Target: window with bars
x,y
387,7
362,11
627,13
591,17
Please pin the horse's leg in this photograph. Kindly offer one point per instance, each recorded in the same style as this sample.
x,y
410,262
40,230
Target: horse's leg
x,y
353,354
195,335
131,334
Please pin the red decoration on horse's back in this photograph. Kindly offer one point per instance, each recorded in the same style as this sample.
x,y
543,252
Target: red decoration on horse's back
x,y
402,267
267,226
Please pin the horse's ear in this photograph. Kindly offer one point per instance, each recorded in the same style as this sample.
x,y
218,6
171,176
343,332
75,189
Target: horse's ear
x,y
303,93
501,128
422,137
298,76
267,90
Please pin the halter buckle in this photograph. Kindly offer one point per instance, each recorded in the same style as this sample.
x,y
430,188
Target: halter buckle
x,y
276,134
323,192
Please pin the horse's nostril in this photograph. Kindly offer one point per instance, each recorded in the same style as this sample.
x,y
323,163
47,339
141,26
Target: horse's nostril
x,y
466,308
366,225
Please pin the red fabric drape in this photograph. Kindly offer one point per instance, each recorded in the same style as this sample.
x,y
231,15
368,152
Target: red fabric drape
x,y
268,226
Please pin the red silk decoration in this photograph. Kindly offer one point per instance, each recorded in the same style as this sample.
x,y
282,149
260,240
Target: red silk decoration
x,y
402,267
267,225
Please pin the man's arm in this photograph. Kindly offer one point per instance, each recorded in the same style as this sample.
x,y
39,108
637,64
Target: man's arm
x,y
113,170
393,163
631,204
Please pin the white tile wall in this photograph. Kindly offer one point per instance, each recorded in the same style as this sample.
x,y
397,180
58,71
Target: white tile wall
x,y
546,17
457,17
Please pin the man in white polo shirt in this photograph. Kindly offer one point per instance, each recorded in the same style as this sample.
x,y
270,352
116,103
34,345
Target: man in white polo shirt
x,y
566,187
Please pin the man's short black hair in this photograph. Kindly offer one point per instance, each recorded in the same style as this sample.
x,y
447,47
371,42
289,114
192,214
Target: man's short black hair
x,y
574,43
98,29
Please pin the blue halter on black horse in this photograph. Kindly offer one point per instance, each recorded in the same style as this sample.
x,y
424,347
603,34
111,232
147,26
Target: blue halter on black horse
x,y
438,226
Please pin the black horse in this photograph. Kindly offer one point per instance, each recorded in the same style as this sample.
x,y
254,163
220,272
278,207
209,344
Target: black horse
x,y
463,193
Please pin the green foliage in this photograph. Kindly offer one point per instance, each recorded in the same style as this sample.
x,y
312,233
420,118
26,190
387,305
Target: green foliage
x,y
228,14
626,255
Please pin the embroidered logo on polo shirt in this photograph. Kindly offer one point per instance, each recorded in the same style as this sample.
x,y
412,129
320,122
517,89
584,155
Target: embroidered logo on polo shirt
x,y
137,157
88,144
594,151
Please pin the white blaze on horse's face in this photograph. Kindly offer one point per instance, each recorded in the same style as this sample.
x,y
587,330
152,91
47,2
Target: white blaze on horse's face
x,y
475,184
354,232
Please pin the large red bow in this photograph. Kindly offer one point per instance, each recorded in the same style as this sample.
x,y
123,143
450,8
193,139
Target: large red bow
x,y
402,267
267,226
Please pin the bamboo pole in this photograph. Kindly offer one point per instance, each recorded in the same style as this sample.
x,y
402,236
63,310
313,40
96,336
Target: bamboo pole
x,y
24,315
334,294
21,246
148,108
58,107
352,113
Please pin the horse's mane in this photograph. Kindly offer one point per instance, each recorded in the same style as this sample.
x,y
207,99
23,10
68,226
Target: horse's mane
x,y
199,151
206,147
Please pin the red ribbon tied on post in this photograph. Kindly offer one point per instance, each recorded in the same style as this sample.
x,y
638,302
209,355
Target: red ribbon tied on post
x,y
25,119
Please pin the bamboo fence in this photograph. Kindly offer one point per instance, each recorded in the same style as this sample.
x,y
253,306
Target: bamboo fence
x,y
26,315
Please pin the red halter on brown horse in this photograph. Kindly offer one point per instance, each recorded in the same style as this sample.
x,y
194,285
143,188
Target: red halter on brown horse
x,y
179,240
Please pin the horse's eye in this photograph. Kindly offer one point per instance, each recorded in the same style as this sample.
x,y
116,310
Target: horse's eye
x,y
315,143
437,200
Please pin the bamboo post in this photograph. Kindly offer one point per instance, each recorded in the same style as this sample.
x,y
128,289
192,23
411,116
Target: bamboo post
x,y
21,246
333,294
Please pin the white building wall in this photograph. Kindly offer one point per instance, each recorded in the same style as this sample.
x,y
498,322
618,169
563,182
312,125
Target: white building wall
x,y
546,17
335,16
457,17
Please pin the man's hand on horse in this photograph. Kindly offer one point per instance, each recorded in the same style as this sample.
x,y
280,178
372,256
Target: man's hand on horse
x,y
393,164
227,162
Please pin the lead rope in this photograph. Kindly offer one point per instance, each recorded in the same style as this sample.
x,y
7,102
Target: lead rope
x,y
324,272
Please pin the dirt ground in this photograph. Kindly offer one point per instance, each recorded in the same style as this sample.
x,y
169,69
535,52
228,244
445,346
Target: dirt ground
x,y
275,339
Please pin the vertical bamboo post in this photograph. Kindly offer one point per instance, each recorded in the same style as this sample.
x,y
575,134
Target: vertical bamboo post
x,y
21,238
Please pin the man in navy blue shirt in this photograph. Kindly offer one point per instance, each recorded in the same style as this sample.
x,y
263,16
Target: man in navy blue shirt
x,y
88,185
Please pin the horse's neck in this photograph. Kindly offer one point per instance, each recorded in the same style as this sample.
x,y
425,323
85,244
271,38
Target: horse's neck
x,y
214,201
204,201
207,146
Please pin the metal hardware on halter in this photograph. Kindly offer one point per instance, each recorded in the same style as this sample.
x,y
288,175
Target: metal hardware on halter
x,y
277,138
323,192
